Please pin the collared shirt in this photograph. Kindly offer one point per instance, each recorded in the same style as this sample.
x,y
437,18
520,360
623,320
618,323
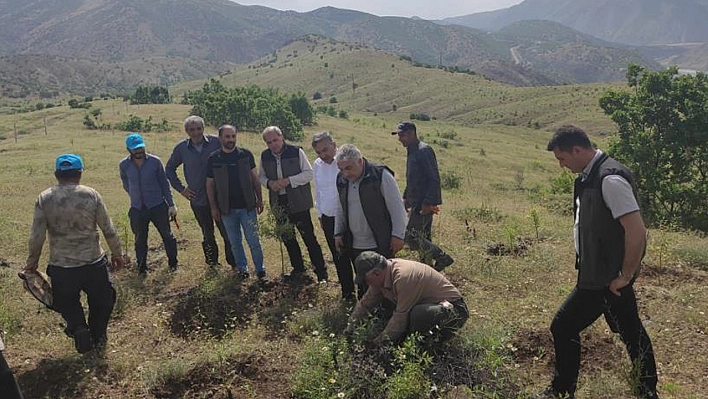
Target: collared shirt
x,y
407,284
194,158
362,235
72,215
326,196
147,185
305,176
616,192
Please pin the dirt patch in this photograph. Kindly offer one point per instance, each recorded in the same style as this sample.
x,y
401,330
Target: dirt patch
x,y
599,351
223,303
519,248
226,380
671,276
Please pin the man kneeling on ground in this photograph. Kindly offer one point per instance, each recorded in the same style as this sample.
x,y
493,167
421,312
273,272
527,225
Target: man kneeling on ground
x,y
426,302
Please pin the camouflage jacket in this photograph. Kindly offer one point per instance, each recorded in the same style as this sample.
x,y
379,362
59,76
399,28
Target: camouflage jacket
x,y
72,215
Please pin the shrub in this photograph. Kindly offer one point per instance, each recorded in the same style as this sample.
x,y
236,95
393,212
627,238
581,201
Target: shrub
x,y
343,114
151,95
333,100
317,95
450,181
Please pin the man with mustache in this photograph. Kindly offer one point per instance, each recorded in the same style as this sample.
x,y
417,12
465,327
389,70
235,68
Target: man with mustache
x,y
144,180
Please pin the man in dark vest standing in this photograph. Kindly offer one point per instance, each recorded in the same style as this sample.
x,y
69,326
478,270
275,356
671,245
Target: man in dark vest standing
x,y
370,215
287,173
610,240
235,198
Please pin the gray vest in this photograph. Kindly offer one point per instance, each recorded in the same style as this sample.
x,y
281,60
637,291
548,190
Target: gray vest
x,y
600,236
299,198
373,204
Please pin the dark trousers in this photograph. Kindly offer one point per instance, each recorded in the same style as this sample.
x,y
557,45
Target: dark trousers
x,y
303,222
436,319
94,280
140,223
418,234
345,272
8,385
209,246
580,309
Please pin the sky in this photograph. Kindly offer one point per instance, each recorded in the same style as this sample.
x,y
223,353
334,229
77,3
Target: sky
x,y
427,9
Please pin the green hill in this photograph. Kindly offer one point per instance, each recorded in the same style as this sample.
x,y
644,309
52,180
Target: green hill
x,y
389,85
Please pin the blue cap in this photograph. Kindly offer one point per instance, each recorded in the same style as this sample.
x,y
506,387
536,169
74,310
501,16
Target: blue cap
x,y
69,162
134,141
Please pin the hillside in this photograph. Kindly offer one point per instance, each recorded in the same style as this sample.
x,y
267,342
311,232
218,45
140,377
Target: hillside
x,y
127,30
637,22
21,75
202,333
567,54
387,84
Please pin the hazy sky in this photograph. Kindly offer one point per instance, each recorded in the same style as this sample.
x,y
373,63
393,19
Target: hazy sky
x,y
428,9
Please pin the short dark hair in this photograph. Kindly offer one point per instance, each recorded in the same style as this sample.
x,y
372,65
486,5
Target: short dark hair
x,y
67,174
224,127
567,137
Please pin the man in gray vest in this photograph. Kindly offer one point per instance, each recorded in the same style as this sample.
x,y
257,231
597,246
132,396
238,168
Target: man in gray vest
x,y
610,240
193,153
287,173
370,214
422,195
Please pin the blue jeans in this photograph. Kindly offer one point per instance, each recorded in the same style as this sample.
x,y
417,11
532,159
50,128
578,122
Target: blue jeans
x,y
234,221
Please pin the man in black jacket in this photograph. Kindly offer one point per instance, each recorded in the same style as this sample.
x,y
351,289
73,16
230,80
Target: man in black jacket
x,y
610,240
422,195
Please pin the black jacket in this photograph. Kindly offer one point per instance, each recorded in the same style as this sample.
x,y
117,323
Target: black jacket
x,y
422,177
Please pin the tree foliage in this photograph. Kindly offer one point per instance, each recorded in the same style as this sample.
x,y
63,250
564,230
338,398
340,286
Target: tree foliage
x,y
663,139
151,95
251,108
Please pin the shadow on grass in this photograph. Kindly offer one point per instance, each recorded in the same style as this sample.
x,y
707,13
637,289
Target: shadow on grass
x,y
223,303
67,377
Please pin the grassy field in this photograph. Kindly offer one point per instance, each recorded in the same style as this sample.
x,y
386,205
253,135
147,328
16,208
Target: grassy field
x,y
198,334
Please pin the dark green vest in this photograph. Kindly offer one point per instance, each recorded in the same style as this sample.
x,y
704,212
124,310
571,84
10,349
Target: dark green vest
x,y
373,204
299,198
600,236
221,181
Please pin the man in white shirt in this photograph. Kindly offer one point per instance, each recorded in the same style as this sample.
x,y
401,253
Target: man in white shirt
x,y
326,196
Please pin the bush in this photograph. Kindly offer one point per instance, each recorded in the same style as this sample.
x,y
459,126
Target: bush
x,y
343,114
251,108
420,117
137,124
151,95
450,181
333,100
317,95
74,103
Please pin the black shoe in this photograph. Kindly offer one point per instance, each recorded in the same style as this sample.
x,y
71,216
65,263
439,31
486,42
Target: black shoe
x,y
173,268
322,277
262,278
443,261
142,272
82,340
243,275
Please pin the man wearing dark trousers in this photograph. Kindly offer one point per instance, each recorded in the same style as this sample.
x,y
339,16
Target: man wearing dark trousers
x,y
286,173
325,172
370,214
193,153
610,240
144,180
8,384
422,195
71,214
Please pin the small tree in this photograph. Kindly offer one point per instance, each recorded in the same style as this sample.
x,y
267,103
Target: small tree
x,y
662,138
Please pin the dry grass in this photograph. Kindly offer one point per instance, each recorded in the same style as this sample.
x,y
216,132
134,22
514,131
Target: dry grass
x,y
511,298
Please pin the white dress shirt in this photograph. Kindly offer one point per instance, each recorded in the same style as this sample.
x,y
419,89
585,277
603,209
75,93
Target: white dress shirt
x,y
326,195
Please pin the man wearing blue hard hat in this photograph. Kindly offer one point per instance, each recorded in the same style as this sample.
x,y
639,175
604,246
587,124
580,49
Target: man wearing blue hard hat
x,y
71,214
145,181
